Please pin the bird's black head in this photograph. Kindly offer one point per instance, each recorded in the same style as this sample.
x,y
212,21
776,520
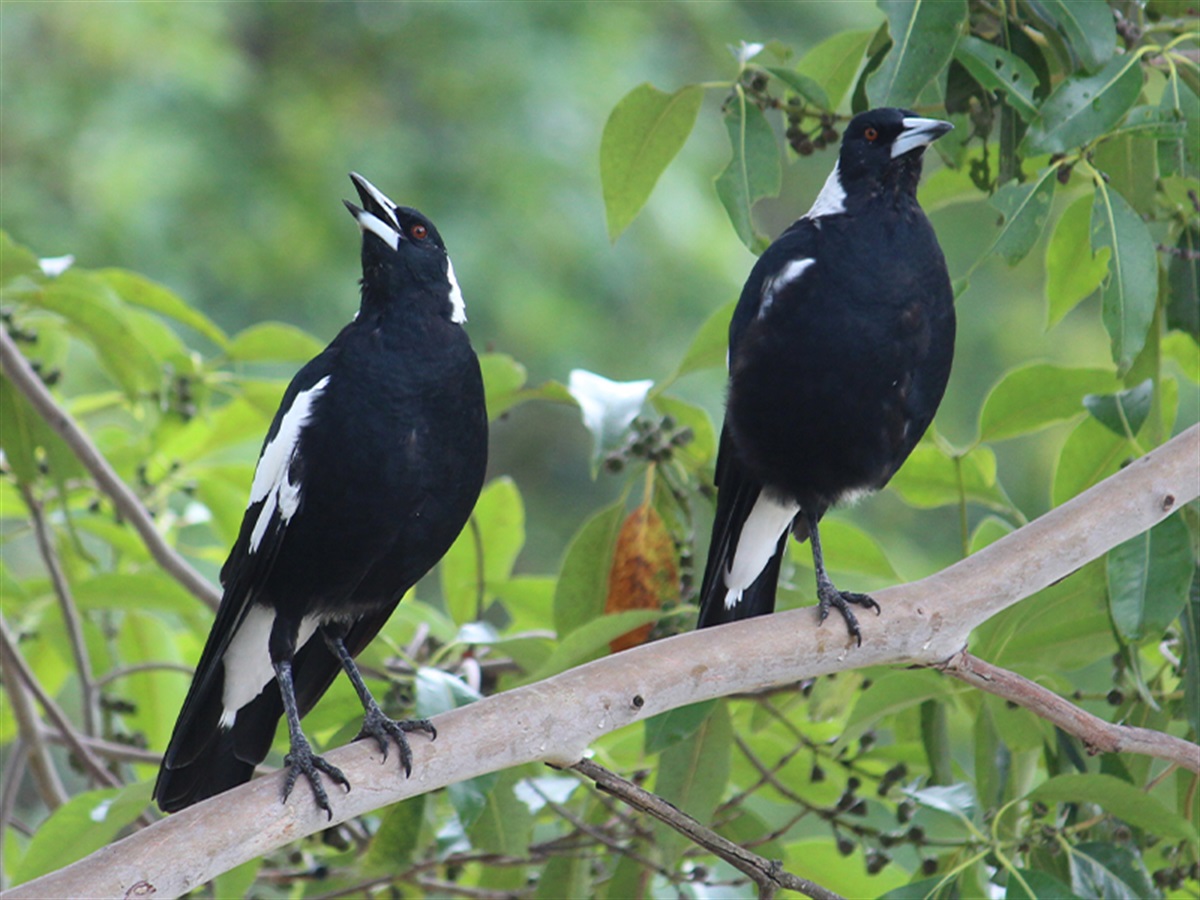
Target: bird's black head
x,y
883,148
403,257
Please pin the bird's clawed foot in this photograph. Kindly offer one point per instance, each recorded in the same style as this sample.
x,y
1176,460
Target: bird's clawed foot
x,y
379,726
830,596
302,760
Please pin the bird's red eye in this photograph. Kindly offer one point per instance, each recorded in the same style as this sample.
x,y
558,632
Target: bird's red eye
x,y
871,133
419,232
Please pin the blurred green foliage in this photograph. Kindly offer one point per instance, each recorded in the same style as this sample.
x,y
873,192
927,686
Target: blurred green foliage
x,y
190,157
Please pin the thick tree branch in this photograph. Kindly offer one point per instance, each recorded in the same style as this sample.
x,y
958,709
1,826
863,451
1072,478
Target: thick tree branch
x,y
1097,735
923,623
18,370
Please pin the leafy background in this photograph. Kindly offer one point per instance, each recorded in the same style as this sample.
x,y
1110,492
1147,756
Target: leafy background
x,y
595,170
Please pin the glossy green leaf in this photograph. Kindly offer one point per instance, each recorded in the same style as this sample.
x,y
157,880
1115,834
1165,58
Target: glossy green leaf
x,y
1125,412
1119,798
585,644
1086,26
753,171
16,261
503,378
397,837
1034,884
923,33
930,478
1032,397
1073,271
848,549
999,70
1025,208
1127,162
482,557
956,799
835,61
702,447
1190,622
1109,871
583,580
708,347
1083,107
671,727
1131,290
989,530
141,291
1185,352
84,823
806,87
1183,284
692,775
644,132
1090,454
1149,577
891,693
505,825
1181,155
565,876
273,342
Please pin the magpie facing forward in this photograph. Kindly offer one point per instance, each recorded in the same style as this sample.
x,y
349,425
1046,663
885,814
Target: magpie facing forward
x,y
367,475
839,352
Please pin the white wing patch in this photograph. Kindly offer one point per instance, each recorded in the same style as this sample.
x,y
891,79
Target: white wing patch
x,y
831,200
789,273
459,306
756,544
271,486
247,659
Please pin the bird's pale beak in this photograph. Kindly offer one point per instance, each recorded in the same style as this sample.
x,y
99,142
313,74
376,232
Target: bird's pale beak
x,y
918,133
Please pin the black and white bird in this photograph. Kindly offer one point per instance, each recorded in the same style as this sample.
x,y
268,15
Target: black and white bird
x,y
369,471
839,352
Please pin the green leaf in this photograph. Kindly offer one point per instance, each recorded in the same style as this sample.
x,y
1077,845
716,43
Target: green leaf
x,y
1183,283
16,261
1185,352
1118,798
692,775
931,478
273,342
583,581
1090,454
753,171
998,70
83,824
989,530
701,449
1180,156
669,728
505,825
1083,107
1127,163
1149,577
848,549
1034,884
608,408
396,840
891,693
956,799
835,61
585,644
141,291
1033,397
1109,871
644,132
708,347
1131,291
482,557
439,692
1123,413
924,33
565,876
1073,271
806,87
1087,28
1025,208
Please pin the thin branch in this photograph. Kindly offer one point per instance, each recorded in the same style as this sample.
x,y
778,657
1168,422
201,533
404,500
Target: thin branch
x,y
769,875
1098,736
17,671
62,590
17,368
11,777
125,671
113,750
41,766
924,623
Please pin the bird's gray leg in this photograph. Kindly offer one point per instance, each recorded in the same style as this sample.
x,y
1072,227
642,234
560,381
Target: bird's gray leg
x,y
827,594
300,759
376,723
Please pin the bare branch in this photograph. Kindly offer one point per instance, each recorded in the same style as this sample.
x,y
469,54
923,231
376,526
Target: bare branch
x,y
1097,735
17,368
923,623
36,753
769,875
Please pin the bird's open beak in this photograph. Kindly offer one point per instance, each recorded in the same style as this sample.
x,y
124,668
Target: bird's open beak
x,y
377,214
918,133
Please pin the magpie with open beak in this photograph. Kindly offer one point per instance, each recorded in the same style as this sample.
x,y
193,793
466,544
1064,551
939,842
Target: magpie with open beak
x,y
367,475
839,353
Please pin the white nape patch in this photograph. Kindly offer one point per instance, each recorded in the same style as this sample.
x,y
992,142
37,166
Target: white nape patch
x,y
271,477
832,199
457,303
756,545
789,273
372,223
382,199
247,659
918,132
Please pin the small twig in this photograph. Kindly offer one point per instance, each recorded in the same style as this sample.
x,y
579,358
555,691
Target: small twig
x,y
62,590
1097,735
17,368
113,750
11,777
434,885
41,766
767,874
124,671
17,671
